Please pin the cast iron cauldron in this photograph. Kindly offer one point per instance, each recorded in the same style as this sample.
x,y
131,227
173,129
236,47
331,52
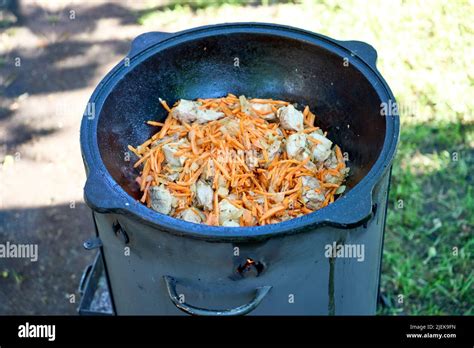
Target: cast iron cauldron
x,y
160,265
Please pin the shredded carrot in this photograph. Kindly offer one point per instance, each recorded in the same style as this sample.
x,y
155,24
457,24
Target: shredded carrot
x,y
306,111
339,156
165,105
272,212
154,123
310,129
192,138
268,101
223,170
135,151
234,142
232,156
216,205
165,128
313,140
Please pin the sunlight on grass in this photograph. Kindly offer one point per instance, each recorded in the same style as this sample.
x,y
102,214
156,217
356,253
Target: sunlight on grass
x,y
426,163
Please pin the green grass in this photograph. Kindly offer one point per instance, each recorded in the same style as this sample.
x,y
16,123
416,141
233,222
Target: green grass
x,y
426,54
429,244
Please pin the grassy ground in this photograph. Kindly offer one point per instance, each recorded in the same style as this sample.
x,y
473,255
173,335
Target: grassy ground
x,y
426,50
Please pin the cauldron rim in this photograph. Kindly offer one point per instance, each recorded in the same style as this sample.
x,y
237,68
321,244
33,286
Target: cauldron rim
x,y
104,195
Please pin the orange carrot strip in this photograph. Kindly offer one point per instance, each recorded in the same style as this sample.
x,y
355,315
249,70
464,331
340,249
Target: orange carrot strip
x,y
272,212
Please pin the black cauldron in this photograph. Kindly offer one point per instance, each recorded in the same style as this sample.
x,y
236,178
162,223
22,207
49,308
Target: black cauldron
x,y
151,258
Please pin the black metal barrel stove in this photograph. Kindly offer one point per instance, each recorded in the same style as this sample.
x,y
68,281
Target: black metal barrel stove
x,y
156,264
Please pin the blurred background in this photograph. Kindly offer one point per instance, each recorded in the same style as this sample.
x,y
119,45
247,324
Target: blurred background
x,y
54,53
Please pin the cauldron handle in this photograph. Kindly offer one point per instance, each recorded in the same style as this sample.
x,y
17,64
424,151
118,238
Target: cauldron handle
x,y
362,50
260,293
146,40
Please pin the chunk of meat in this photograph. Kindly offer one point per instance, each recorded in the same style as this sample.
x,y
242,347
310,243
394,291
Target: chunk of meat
x,y
310,182
161,199
172,176
170,149
230,126
222,191
189,111
209,171
230,223
290,118
331,161
303,155
274,149
190,215
295,144
337,179
277,197
322,150
265,111
204,195
320,153
251,159
185,111
245,106
313,199
228,212
319,136
207,115
311,166
248,218
194,166
310,196
173,138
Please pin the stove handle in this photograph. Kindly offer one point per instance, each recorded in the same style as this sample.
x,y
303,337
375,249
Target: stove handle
x,y
260,293
84,278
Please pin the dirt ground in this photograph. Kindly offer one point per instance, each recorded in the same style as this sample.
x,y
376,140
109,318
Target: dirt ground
x,y
50,62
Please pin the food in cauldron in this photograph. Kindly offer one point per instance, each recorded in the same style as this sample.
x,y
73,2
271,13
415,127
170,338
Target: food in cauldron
x,y
234,161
